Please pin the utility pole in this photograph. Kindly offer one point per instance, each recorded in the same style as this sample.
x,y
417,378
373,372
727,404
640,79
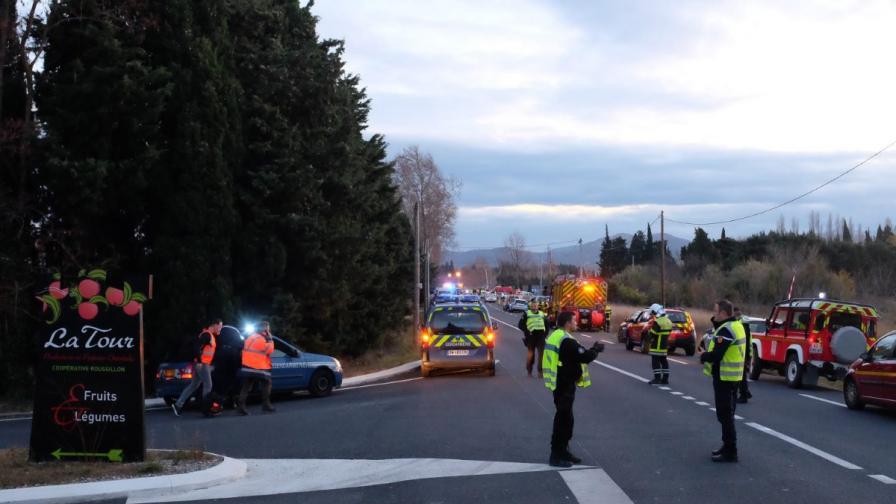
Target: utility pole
x,y
416,267
581,266
662,258
486,275
427,286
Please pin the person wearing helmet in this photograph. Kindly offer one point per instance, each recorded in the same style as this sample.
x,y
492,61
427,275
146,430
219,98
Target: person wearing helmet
x,y
658,331
534,325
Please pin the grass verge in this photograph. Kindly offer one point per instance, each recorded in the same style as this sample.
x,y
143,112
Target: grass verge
x,y
399,352
17,472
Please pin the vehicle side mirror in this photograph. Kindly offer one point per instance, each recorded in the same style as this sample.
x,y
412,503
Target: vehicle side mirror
x,y
866,357
292,352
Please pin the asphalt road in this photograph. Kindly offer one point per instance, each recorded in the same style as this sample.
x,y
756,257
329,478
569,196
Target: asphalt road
x,y
655,444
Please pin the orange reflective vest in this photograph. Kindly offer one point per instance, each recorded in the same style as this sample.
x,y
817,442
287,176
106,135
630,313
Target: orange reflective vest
x,y
208,351
257,352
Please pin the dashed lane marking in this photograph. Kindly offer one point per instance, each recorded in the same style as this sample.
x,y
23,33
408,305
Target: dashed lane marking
x,y
677,393
701,403
665,388
883,479
835,403
586,335
811,449
678,361
608,342
689,398
738,417
594,486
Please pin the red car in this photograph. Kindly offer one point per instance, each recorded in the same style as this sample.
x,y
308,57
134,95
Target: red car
x,y
872,378
683,335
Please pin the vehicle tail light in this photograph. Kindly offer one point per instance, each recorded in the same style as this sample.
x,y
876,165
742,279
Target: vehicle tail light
x,y
425,338
490,339
185,373
158,374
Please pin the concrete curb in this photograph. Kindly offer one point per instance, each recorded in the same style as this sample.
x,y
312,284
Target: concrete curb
x,y
228,470
385,374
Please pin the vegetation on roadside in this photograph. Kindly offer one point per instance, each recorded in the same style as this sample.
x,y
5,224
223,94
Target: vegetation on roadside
x,y
16,471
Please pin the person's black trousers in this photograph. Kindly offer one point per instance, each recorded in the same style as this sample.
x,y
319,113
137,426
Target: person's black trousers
x,y
563,419
743,387
535,341
660,367
726,394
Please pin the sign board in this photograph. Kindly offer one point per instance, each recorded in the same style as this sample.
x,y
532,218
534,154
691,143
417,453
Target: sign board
x,y
88,399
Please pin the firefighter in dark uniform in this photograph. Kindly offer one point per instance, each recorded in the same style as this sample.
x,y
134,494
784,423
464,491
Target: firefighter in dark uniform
x,y
565,368
724,362
743,390
533,323
658,337
608,312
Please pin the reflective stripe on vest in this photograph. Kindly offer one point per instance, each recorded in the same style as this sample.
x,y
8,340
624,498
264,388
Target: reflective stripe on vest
x,y
257,352
660,338
550,361
534,321
208,351
731,368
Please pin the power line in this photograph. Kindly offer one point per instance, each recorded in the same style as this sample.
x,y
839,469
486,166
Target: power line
x,y
801,196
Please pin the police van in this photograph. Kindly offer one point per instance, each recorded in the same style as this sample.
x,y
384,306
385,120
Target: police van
x,y
457,336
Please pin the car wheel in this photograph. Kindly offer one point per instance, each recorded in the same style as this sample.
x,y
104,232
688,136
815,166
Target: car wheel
x,y
755,366
169,400
620,336
321,383
851,395
690,351
491,370
793,372
629,345
425,372
671,351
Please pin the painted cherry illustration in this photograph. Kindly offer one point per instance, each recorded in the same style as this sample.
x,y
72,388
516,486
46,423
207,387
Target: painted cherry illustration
x,y
88,311
115,296
57,291
88,288
132,308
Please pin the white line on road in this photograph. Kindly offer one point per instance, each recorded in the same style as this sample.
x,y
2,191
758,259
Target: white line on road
x,y
585,335
883,479
621,371
678,361
594,486
15,419
701,403
677,393
811,449
608,342
738,417
835,403
689,398
505,323
665,388
381,384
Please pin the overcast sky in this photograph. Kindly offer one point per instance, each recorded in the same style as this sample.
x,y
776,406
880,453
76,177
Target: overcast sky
x,y
562,116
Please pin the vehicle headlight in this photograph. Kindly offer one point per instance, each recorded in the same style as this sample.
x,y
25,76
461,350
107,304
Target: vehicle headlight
x,y
338,365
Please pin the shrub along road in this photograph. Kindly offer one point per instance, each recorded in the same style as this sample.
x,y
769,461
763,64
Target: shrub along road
x,y
795,446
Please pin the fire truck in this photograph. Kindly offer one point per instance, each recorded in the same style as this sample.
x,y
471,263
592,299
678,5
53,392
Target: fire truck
x,y
585,296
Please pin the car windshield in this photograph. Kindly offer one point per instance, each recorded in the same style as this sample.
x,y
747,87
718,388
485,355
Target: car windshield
x,y
677,317
457,322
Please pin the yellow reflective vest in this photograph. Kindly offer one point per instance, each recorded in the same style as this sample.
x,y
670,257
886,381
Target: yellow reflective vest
x,y
550,361
731,368
659,338
534,321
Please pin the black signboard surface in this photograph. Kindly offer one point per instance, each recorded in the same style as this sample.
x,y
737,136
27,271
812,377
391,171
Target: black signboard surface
x,y
88,401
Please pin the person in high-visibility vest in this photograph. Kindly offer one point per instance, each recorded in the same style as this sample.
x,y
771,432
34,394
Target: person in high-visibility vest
x,y
533,323
565,365
203,354
257,351
658,331
724,362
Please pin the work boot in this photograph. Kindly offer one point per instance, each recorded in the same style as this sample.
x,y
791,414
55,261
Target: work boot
x,y
268,408
568,455
176,410
718,450
742,400
665,381
655,381
557,460
241,410
726,456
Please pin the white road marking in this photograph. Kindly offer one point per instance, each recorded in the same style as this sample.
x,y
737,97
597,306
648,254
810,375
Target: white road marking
x,y
285,476
379,384
665,388
608,342
505,323
701,403
811,449
621,371
835,403
678,361
594,486
738,417
15,419
586,335
883,479
677,393
689,398
712,409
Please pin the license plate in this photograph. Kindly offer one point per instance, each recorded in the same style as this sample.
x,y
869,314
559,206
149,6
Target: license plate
x,y
458,353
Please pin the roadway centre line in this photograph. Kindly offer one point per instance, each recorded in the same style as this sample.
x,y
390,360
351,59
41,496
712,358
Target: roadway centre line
x,y
701,403
585,335
608,342
678,361
621,371
811,449
823,400
883,479
689,398
676,393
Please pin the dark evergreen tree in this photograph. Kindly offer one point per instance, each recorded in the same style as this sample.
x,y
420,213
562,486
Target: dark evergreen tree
x,y
847,235
606,255
650,247
637,247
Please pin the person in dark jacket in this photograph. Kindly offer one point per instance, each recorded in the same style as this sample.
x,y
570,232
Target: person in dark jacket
x,y
743,390
203,355
565,368
534,325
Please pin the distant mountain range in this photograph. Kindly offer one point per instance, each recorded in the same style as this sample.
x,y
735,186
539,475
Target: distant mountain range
x,y
563,255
